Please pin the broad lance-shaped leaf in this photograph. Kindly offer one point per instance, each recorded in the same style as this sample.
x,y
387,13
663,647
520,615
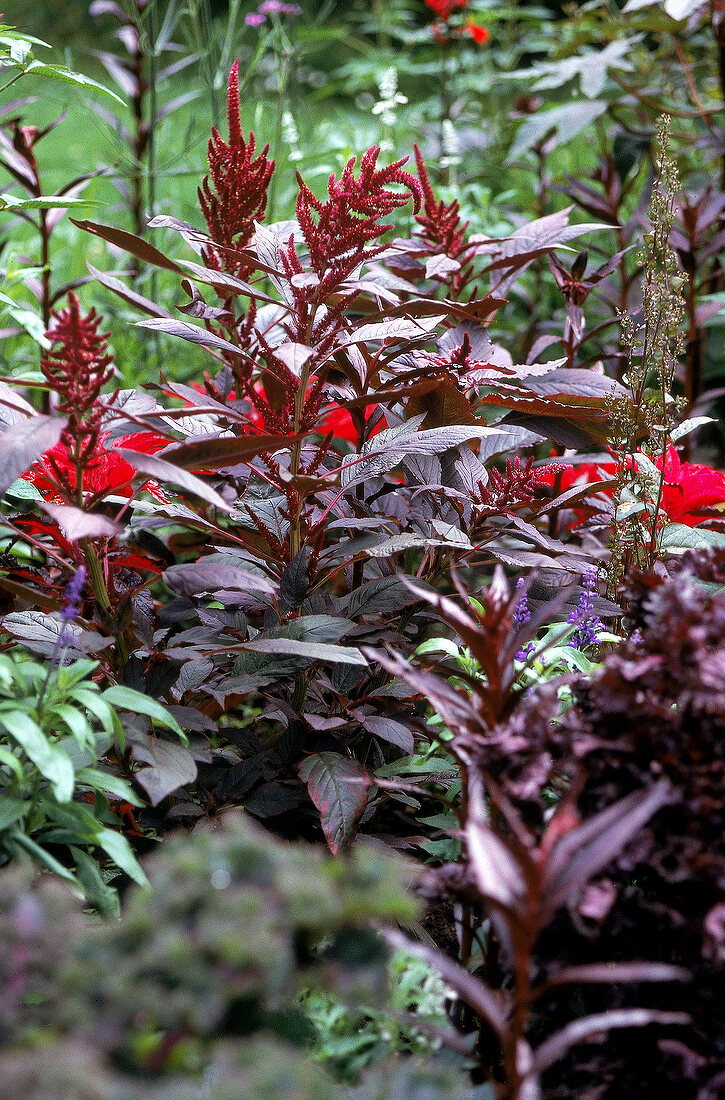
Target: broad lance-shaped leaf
x,y
390,447
77,524
313,651
129,242
23,443
397,329
583,852
193,578
50,760
171,766
225,450
581,1031
165,471
193,333
128,295
42,202
67,76
339,787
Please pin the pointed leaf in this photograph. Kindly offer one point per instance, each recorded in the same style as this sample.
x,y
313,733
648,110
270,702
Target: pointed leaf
x,y
165,471
584,851
226,450
580,1031
171,766
129,242
77,524
52,763
313,651
339,788
23,443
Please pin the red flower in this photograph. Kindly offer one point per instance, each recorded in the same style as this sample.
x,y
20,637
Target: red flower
x,y
338,421
479,34
105,471
342,231
444,9
241,182
687,489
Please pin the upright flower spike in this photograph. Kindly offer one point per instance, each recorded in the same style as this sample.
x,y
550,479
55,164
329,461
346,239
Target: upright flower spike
x,y
588,624
236,198
340,233
77,367
441,225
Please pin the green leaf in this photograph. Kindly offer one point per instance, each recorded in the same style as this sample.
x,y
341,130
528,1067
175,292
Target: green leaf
x,y
96,703
77,723
99,780
678,537
563,123
47,859
117,847
51,762
11,809
42,202
10,760
67,76
128,699
101,896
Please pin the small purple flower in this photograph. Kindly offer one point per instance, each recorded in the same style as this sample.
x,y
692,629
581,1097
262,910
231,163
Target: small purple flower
x,y
73,592
588,625
521,613
270,7
275,7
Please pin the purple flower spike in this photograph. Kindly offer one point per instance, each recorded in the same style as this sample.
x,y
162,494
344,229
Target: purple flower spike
x,y
521,613
254,19
73,593
588,625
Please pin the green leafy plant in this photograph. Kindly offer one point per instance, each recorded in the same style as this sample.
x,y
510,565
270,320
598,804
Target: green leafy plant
x,y
56,727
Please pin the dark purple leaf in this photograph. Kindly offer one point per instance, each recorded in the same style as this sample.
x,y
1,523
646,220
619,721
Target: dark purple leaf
x,y
193,333
129,242
169,472
77,524
23,443
128,295
313,651
586,850
582,1031
387,729
171,765
40,634
226,451
210,575
339,788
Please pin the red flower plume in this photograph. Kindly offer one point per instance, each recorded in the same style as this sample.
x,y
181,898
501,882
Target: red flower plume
x,y
240,181
340,232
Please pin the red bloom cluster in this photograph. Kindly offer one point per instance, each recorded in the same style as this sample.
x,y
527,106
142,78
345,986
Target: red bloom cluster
x,y
442,226
105,471
338,421
687,489
444,9
478,33
340,232
77,368
240,180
